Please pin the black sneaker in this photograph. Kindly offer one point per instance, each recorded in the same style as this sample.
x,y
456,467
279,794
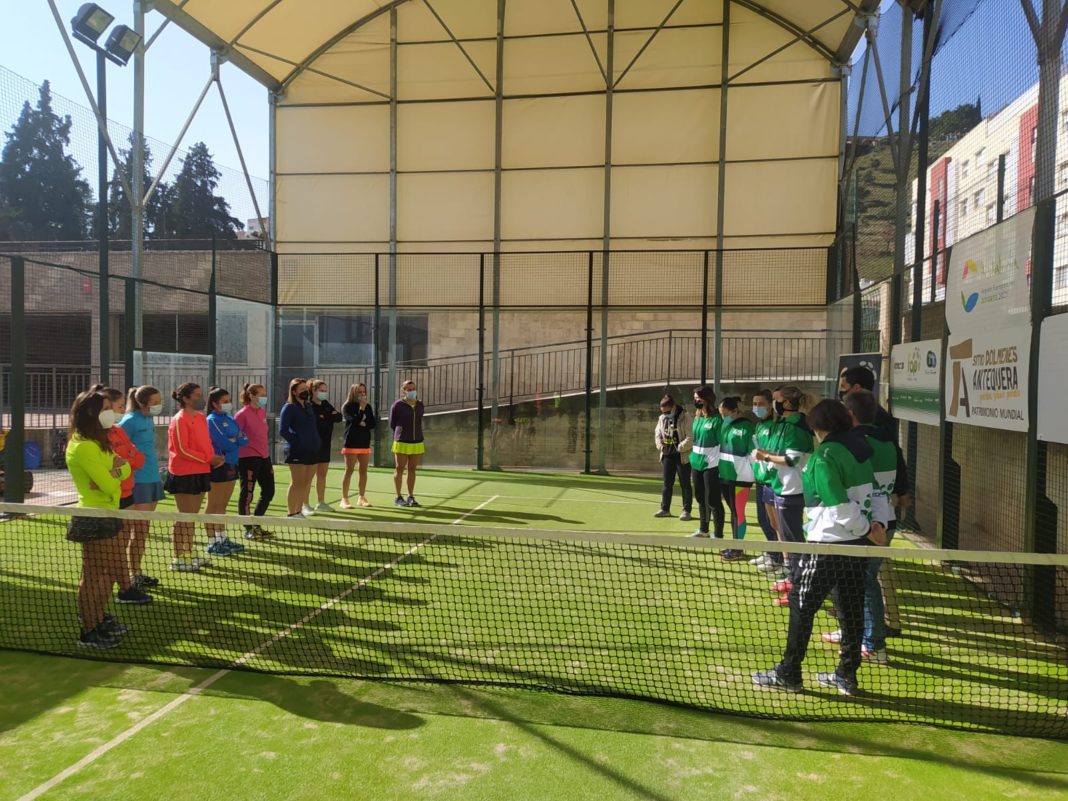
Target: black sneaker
x,y
400,501
732,555
772,679
412,501
141,581
97,638
113,627
134,596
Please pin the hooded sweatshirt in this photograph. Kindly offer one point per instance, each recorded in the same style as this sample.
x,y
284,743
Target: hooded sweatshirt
x,y
792,439
839,488
888,464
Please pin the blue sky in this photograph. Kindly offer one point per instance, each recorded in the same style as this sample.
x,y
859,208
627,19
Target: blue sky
x,y
176,68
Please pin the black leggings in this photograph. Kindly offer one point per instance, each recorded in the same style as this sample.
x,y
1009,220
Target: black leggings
x,y
253,471
709,499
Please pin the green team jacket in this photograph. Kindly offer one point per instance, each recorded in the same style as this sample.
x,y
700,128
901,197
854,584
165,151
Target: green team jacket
x,y
704,455
90,468
838,494
764,472
884,463
789,439
735,445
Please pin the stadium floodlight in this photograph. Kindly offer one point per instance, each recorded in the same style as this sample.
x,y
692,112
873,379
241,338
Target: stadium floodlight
x,y
122,43
89,24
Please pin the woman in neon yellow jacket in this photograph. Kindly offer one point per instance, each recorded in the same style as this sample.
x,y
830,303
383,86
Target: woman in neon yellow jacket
x,y
98,474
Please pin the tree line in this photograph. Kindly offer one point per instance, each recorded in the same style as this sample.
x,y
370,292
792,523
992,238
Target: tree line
x,y
43,196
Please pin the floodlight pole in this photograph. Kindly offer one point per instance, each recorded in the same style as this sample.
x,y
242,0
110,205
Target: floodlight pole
x,y
137,185
103,286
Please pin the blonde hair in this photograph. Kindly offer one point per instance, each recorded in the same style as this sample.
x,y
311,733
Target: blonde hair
x,y
296,382
246,392
138,397
404,384
354,392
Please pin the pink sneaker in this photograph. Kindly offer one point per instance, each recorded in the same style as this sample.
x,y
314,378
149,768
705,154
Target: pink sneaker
x,y
782,586
782,600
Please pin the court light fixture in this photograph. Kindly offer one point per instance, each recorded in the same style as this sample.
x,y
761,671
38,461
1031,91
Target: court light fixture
x,y
122,43
90,22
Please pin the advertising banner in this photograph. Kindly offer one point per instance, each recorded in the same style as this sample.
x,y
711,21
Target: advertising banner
x,y
986,378
986,286
914,380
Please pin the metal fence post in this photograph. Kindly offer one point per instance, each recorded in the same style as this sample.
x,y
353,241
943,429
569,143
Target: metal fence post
x,y
213,331
15,485
587,408
376,361
704,319
130,331
480,442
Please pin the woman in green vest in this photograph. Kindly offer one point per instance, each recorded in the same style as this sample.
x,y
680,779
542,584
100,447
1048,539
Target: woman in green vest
x,y
704,462
735,468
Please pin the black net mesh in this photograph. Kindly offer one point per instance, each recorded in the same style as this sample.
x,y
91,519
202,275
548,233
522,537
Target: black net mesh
x,y
654,618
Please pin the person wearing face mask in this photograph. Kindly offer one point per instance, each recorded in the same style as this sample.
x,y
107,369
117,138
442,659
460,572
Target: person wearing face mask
x,y
788,450
359,423
297,426
857,379
254,468
97,473
325,418
125,451
763,474
406,420
190,460
673,438
704,462
735,468
143,405
227,439
839,488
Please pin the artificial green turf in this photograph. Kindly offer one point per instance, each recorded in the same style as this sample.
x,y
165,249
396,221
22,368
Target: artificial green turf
x,y
274,738
669,624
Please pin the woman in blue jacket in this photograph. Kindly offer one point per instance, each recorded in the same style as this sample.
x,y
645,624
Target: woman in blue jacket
x,y
226,440
143,405
298,427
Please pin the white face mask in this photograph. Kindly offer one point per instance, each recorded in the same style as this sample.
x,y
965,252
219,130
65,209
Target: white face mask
x,y
156,409
226,408
108,418
411,394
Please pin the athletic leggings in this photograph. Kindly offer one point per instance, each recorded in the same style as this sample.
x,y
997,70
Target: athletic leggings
x,y
736,496
709,499
253,471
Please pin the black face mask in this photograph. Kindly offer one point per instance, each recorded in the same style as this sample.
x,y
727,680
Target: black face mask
x,y
699,404
780,409
305,395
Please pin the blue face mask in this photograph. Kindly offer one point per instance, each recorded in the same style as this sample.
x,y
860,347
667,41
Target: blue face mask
x,y
760,412
411,394
727,418
322,395
226,408
262,401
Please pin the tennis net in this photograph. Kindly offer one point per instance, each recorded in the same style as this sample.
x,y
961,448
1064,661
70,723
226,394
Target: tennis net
x,y
647,617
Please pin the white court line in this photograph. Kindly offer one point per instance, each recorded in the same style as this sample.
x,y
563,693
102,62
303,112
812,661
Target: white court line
x,y
122,737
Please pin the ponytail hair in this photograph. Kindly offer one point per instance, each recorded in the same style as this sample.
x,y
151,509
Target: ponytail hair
x,y
112,395
795,397
215,395
731,403
184,392
246,393
138,397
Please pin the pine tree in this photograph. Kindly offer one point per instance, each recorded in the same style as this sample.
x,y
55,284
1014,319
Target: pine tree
x,y
119,210
194,210
39,181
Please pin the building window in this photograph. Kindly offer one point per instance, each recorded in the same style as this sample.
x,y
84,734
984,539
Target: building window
x,y
964,207
991,213
231,338
964,166
992,169
1064,121
980,198
1062,175
1034,143
345,339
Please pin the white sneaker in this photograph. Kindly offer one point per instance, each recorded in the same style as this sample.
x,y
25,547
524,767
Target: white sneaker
x,y
770,567
306,510
184,566
758,561
323,507
878,657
